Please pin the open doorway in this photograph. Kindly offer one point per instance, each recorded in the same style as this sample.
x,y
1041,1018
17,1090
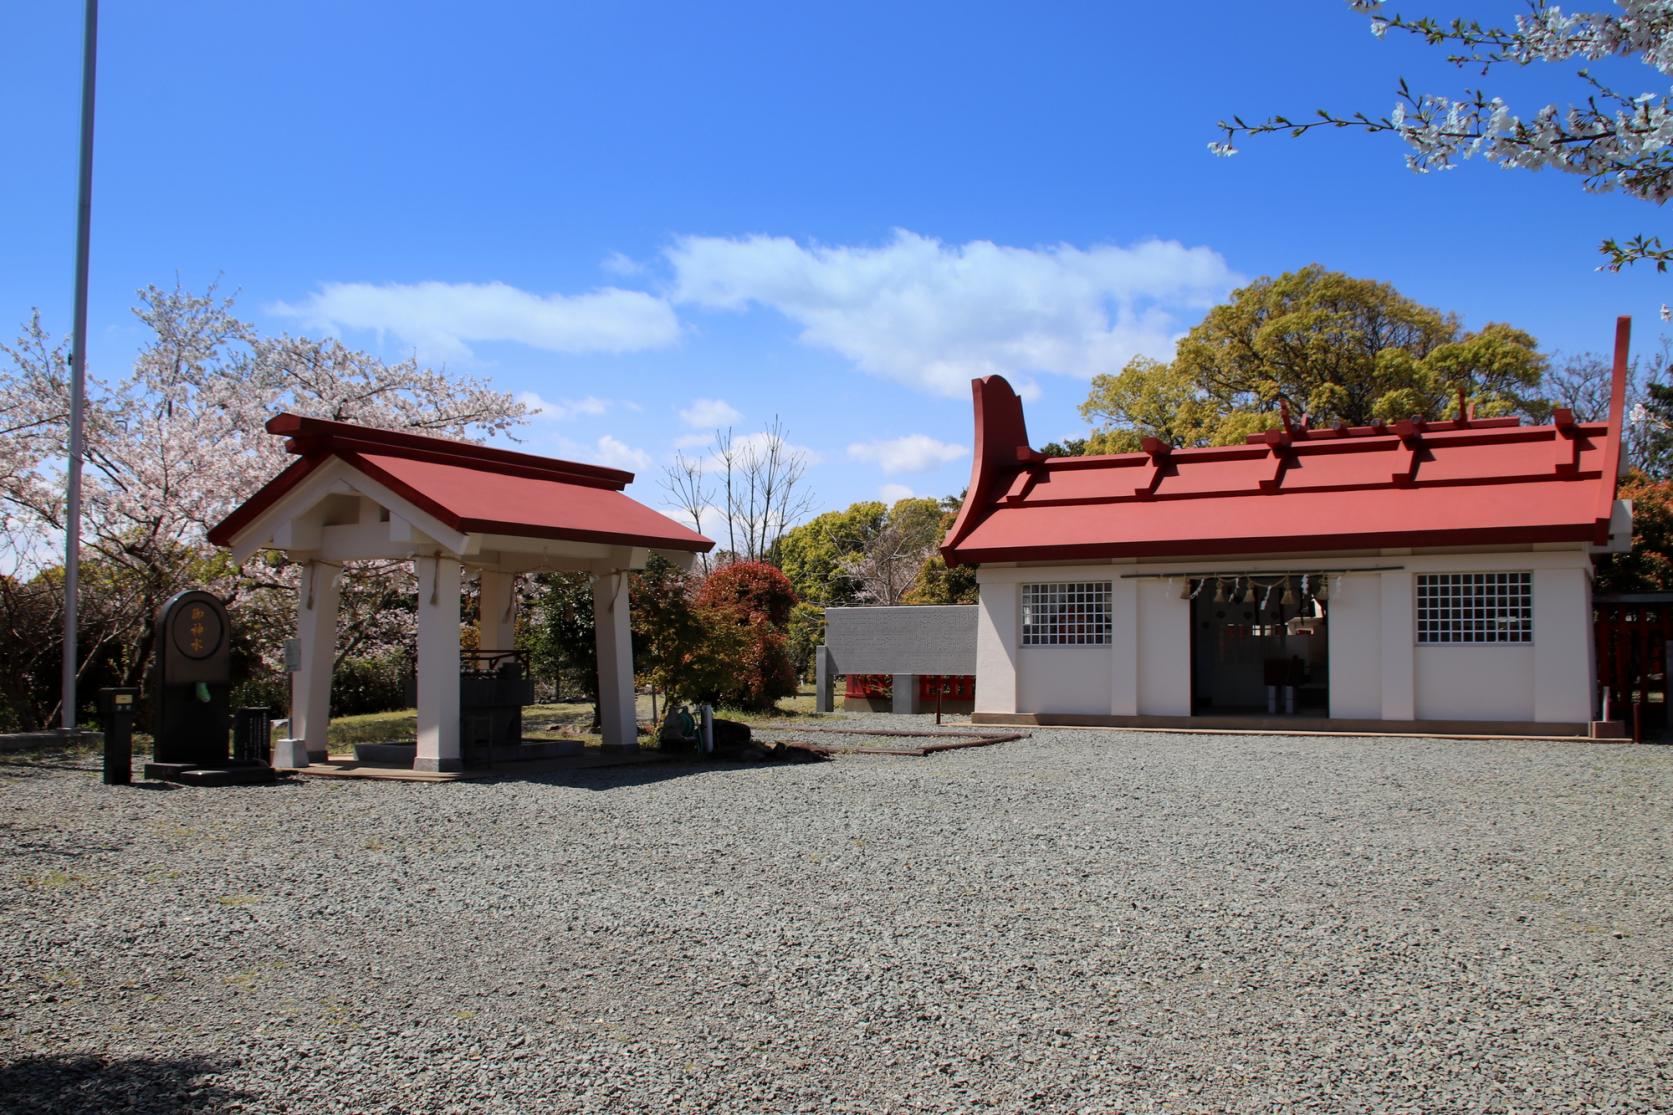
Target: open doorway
x,y
1259,645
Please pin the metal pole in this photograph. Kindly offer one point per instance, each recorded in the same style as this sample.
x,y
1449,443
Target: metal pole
x,y
78,365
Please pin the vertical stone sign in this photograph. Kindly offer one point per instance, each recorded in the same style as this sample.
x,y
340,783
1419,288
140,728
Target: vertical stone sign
x,y
193,680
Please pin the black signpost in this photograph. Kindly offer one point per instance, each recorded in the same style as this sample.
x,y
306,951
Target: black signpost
x,y
116,711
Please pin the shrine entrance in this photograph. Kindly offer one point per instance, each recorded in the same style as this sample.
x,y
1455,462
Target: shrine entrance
x,y
1259,645
449,507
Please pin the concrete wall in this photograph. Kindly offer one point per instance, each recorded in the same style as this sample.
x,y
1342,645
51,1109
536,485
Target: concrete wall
x,y
1063,679
1377,670
1481,682
924,639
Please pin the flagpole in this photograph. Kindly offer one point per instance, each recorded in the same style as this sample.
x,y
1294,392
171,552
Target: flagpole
x,y
78,365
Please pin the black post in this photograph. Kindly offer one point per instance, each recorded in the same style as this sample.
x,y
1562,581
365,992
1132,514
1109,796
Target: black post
x,y
116,708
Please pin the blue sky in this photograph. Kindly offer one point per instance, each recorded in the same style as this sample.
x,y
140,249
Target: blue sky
x,y
658,216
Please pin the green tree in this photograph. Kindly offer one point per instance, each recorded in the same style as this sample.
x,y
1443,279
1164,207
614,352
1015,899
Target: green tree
x,y
668,632
805,633
1331,346
937,584
556,636
1068,447
813,555
868,553
1649,566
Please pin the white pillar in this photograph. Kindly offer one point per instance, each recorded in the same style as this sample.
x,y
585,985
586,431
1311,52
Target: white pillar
x,y
1399,638
438,665
614,640
905,690
1564,666
997,637
1124,647
316,631
824,679
496,629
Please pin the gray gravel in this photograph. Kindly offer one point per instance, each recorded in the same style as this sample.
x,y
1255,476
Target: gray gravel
x,y
1082,921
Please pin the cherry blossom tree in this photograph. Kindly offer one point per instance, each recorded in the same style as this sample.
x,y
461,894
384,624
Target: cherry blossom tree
x,y
1613,139
178,441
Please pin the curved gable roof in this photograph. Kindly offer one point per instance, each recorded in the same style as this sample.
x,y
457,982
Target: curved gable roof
x,y
472,488
1409,484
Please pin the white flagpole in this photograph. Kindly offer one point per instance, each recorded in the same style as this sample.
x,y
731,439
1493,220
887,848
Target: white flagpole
x,y
78,365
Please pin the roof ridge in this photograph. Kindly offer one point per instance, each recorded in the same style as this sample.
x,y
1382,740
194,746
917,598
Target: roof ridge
x,y
320,436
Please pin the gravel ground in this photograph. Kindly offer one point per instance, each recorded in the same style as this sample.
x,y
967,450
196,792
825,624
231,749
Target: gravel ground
x,y
1081,921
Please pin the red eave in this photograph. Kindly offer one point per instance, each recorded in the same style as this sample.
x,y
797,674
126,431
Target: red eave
x,y
526,506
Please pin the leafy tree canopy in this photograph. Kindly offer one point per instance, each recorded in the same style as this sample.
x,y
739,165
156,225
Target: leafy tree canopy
x,y
1649,565
1333,347
869,553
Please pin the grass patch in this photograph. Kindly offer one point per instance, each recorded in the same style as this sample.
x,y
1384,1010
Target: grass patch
x,y
566,720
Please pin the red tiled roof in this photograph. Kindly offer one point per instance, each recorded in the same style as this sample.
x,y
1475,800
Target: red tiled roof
x,y
473,488
1409,484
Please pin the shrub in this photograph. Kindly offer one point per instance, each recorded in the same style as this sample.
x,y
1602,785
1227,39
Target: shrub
x,y
370,684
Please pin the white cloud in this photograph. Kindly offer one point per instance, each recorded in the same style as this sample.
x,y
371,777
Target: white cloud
x,y
617,263
441,319
710,414
548,411
913,453
618,454
934,315
759,443
608,451
894,493
743,445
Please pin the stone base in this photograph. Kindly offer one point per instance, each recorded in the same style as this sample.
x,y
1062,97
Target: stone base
x,y
438,764
188,774
293,754
1609,729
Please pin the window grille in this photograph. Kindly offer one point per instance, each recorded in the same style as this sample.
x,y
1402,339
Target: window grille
x,y
1475,608
1066,613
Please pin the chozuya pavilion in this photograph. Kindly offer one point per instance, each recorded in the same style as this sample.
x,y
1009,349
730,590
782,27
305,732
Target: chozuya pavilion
x,y
1409,576
356,493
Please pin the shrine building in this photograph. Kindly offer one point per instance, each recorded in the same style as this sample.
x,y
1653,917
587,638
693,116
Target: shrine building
x,y
1415,576
452,508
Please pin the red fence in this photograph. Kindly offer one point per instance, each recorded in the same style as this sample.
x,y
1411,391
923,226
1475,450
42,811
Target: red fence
x,y
875,687
1632,634
951,687
881,687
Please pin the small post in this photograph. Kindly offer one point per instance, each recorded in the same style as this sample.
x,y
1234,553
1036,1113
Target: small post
x,y
708,730
116,708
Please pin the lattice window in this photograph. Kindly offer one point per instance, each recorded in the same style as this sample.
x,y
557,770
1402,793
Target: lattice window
x,y
1475,608
1066,613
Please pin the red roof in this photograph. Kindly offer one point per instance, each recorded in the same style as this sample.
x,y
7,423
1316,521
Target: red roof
x,y
1414,484
472,488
